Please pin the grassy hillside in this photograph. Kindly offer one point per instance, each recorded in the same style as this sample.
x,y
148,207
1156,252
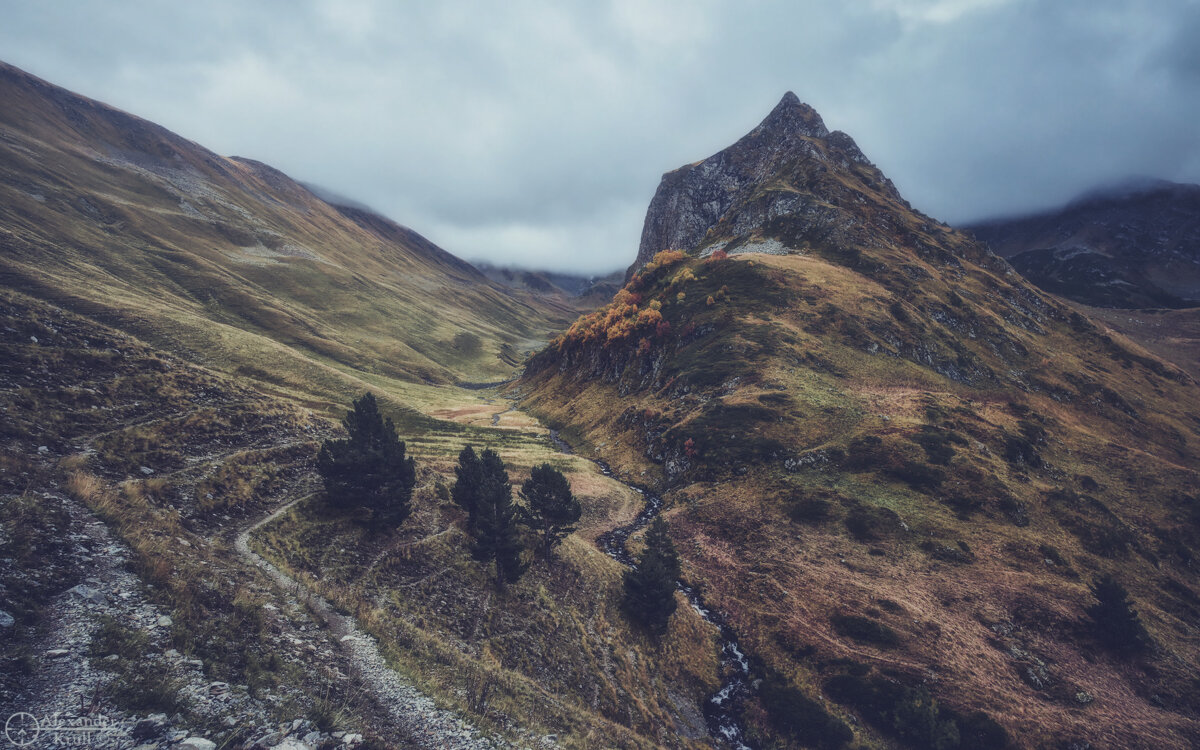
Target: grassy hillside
x,y
230,262
83,408
897,468
550,655
176,459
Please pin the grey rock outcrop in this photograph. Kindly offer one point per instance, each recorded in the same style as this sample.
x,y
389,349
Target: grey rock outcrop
x,y
790,164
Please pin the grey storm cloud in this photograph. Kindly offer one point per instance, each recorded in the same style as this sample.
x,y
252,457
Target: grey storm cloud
x,y
534,133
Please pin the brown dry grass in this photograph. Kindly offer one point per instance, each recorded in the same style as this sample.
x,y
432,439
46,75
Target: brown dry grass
x,y
85,487
781,582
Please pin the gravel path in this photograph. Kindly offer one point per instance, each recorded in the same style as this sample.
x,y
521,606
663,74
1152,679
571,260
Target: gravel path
x,y
64,680
413,714
65,683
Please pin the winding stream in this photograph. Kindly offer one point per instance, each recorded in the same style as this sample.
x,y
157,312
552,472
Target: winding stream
x,y
723,707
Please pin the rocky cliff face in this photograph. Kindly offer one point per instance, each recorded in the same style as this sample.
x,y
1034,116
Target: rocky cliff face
x,y
791,164
1130,247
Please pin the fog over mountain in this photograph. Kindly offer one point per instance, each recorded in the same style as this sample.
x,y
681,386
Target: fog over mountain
x,y
534,134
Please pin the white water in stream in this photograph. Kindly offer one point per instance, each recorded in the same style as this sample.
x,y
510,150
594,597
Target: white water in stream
x,y
722,709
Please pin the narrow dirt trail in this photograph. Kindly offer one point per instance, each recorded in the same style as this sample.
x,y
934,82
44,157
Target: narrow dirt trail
x,y
410,713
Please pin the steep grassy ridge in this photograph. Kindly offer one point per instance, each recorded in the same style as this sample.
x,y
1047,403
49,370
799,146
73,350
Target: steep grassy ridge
x,y
231,262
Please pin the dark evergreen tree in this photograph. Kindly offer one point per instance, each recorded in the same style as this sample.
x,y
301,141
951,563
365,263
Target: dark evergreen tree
x,y
1114,619
469,473
650,587
369,469
552,509
495,530
800,718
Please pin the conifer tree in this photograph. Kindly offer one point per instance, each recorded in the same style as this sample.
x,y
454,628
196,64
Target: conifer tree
x,y
1114,619
497,537
552,508
369,469
650,587
469,473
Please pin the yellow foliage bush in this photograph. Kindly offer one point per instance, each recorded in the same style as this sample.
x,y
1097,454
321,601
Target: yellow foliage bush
x,y
683,277
664,259
620,320
649,317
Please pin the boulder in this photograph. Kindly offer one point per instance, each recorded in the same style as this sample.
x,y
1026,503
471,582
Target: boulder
x,y
88,593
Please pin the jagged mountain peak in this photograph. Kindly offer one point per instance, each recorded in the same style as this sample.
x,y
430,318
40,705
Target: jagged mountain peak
x,y
789,99
850,375
792,117
790,166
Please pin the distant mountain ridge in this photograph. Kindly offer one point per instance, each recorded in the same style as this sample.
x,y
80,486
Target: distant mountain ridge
x,y
568,285
1131,245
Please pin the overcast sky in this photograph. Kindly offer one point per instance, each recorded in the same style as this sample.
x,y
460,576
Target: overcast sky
x,y
535,133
